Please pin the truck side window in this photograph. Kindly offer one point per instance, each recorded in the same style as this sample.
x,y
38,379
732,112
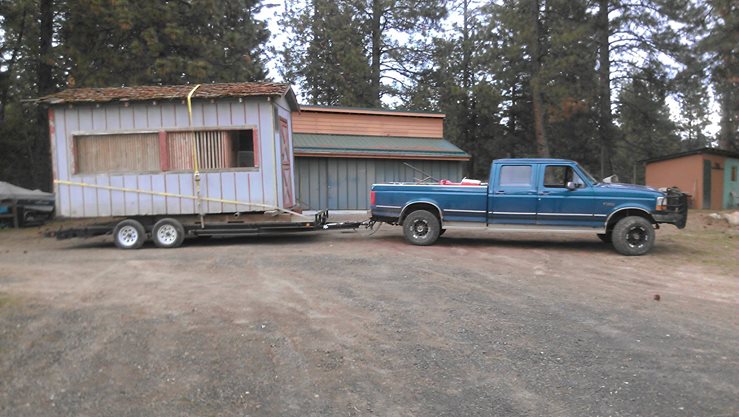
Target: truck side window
x,y
515,176
557,176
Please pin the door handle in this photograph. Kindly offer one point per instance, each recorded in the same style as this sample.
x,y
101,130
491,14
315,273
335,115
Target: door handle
x,y
544,193
500,192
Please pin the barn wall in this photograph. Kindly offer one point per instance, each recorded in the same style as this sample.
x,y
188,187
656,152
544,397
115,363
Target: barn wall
x,y
368,124
344,183
254,185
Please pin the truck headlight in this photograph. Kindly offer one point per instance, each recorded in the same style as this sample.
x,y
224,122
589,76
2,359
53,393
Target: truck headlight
x,y
661,203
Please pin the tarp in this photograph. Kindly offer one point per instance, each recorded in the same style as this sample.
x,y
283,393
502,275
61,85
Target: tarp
x,y
9,191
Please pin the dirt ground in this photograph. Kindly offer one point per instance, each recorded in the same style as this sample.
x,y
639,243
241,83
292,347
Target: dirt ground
x,y
347,324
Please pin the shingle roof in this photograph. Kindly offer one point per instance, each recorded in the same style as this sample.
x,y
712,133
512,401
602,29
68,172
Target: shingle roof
x,y
164,92
311,144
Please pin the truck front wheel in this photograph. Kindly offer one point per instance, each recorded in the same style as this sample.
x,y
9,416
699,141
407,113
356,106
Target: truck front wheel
x,y
421,228
633,236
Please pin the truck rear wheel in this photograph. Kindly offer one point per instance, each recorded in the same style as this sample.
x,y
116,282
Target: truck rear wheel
x,y
421,228
129,234
633,236
168,233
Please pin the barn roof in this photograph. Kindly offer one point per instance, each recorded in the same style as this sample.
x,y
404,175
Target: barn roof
x,y
710,151
354,146
165,92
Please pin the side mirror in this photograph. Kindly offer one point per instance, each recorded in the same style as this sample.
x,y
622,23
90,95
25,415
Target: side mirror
x,y
571,186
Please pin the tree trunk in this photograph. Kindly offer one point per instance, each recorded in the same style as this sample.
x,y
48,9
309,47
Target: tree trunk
x,y
605,117
542,146
41,157
727,136
376,50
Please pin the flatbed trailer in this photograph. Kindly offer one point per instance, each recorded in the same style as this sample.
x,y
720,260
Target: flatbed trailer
x,y
170,231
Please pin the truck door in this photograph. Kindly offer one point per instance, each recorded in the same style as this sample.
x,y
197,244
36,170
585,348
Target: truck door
x,y
562,206
513,198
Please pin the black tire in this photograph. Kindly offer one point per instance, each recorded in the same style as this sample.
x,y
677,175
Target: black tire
x,y
129,234
421,228
168,233
605,237
633,236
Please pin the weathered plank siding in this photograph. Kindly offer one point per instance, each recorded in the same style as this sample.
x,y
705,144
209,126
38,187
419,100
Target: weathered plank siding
x,y
256,185
344,183
368,124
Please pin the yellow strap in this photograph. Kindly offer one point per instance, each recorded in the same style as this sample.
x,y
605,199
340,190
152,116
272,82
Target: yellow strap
x,y
162,194
189,115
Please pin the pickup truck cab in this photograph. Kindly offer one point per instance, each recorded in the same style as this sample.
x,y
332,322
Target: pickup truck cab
x,y
532,195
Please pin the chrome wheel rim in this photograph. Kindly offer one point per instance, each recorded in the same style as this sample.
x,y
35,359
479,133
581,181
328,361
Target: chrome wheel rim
x,y
128,236
167,234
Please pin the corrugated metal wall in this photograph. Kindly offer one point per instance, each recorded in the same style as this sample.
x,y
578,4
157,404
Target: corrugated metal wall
x,y
344,183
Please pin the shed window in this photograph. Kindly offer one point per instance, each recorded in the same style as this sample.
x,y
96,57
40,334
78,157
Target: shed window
x,y
215,149
138,152
733,173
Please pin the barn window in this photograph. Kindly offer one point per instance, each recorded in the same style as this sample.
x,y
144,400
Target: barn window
x,y
215,149
134,152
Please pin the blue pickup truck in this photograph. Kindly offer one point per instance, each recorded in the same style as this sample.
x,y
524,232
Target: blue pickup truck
x,y
532,195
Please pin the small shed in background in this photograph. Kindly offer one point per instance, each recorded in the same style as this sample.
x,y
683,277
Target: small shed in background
x,y
709,175
340,152
141,138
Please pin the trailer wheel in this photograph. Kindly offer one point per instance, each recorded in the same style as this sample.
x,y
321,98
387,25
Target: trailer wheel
x,y
129,234
168,233
633,236
421,228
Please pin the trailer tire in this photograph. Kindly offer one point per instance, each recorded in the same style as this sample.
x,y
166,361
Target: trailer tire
x,y
129,234
421,228
633,236
168,233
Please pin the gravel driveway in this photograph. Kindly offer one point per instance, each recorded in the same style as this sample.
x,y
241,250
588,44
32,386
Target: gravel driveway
x,y
345,324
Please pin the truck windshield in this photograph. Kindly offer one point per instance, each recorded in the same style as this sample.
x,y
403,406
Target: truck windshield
x,y
587,175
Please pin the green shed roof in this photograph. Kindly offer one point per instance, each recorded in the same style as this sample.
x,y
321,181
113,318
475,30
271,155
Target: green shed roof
x,y
313,144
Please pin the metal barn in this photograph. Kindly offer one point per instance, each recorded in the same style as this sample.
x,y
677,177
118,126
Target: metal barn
x,y
341,152
133,151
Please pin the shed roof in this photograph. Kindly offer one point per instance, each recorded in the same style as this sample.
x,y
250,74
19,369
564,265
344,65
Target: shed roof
x,y
165,92
710,151
371,111
348,146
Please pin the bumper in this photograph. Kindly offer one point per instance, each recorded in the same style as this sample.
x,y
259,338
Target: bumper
x,y
677,209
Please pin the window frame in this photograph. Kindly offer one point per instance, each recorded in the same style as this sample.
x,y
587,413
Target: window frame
x,y
164,165
574,173
532,180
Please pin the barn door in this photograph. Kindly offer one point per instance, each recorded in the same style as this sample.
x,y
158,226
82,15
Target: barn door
x,y
706,184
286,165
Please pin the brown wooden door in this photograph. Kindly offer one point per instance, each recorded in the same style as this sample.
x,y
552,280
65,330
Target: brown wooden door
x,y
286,165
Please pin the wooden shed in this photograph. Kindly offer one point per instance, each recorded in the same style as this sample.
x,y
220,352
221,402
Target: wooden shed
x,y
340,152
709,175
107,141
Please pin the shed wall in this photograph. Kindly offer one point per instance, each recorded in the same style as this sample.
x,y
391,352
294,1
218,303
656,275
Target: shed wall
x,y
731,187
686,173
256,185
344,183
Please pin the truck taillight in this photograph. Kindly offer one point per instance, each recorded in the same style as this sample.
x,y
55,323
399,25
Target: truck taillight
x,y
372,198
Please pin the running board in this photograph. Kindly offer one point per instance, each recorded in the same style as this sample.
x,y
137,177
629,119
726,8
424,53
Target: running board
x,y
522,228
